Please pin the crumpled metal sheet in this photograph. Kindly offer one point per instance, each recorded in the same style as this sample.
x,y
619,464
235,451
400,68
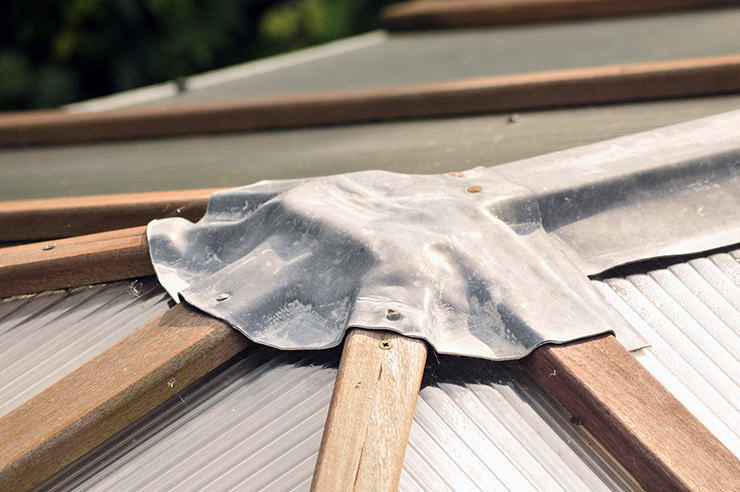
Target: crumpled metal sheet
x,y
461,261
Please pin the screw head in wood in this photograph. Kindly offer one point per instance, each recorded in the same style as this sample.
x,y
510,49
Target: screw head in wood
x,y
49,246
386,345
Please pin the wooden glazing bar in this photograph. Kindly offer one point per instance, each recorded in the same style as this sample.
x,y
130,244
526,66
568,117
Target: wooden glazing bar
x,y
53,218
111,391
83,260
436,14
528,91
371,411
635,417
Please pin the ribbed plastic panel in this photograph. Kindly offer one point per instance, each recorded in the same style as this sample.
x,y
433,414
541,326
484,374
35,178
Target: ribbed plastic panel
x,y
422,147
255,424
433,56
484,426
690,314
47,336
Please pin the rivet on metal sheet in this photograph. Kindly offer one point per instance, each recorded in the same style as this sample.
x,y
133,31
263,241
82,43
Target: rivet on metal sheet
x,y
49,246
223,296
454,174
473,189
393,315
385,345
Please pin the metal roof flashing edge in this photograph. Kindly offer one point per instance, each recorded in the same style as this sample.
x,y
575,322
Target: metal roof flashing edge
x,y
460,260
665,192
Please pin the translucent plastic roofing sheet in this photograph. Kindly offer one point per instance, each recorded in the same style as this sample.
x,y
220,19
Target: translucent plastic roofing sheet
x,y
256,425
46,336
689,312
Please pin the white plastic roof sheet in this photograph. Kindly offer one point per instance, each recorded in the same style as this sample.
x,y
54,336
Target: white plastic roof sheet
x,y
689,312
257,424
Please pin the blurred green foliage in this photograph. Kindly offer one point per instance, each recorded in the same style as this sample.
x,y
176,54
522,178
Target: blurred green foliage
x,y
54,52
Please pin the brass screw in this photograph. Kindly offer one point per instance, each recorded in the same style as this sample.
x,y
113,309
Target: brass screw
x,y
49,246
473,189
393,315
385,345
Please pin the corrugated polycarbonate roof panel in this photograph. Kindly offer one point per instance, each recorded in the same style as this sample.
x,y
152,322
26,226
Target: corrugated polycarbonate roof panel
x,y
433,56
690,314
256,424
419,147
484,426
45,337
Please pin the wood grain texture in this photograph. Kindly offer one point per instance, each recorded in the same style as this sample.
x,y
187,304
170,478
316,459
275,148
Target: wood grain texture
x,y
108,393
436,14
539,90
83,260
371,411
635,417
37,220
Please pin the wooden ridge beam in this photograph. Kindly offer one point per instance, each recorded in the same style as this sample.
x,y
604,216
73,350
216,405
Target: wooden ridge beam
x,y
111,391
54,218
436,14
72,262
527,91
634,416
369,421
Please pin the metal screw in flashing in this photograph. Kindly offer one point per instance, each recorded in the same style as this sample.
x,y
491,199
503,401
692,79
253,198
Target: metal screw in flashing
x,y
454,174
223,297
393,315
49,246
473,189
385,345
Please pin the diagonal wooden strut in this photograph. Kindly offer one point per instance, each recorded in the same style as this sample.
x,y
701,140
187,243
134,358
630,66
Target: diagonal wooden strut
x,y
110,392
634,416
371,411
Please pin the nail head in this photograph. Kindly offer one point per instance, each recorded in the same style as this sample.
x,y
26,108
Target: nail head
x,y
223,296
393,315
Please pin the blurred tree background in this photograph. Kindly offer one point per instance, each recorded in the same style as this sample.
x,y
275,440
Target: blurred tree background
x,y
54,52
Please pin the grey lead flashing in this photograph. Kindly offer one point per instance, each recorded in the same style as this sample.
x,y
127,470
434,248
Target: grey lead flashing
x,y
671,191
485,263
460,261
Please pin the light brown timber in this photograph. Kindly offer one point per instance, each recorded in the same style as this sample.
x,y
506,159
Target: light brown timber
x,y
435,14
53,218
538,90
635,417
371,411
83,260
111,391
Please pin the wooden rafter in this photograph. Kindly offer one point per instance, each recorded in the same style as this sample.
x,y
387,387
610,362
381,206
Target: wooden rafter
x,y
95,258
434,14
54,218
538,90
371,411
634,416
